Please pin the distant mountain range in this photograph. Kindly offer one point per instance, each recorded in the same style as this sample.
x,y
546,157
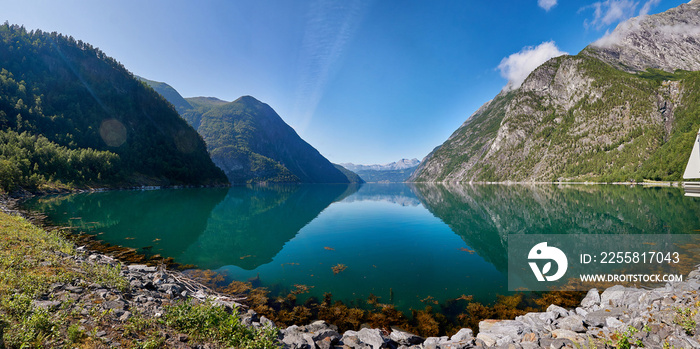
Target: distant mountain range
x,y
627,107
395,172
250,142
396,165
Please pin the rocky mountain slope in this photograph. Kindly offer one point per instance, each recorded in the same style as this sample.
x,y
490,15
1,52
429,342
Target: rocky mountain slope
x,y
624,108
396,165
251,143
394,172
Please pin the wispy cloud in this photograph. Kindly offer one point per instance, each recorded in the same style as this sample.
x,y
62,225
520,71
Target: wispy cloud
x,y
330,25
628,24
678,30
610,12
546,4
647,7
519,65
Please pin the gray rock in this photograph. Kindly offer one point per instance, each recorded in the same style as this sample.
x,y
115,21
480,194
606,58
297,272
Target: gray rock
x,y
560,343
559,311
613,323
74,289
56,286
350,339
597,318
489,339
48,305
295,338
613,296
316,326
404,338
327,333
266,322
125,316
115,304
434,342
512,328
464,334
592,298
565,334
325,343
372,337
572,323
141,268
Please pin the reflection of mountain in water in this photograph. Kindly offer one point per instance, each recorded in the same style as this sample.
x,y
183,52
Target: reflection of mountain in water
x,y
397,193
484,215
169,220
249,227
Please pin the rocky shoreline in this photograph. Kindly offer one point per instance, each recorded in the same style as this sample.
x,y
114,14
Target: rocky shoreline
x,y
619,316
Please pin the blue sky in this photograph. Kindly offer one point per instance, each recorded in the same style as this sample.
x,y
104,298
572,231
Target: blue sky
x,y
362,81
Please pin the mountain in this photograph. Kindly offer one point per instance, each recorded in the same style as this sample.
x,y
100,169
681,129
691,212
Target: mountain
x,y
251,143
396,165
71,115
352,176
169,93
622,109
395,172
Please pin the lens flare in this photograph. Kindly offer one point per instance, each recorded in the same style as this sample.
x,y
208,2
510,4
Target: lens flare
x,y
113,132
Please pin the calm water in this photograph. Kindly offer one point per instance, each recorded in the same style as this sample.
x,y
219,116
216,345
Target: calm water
x,y
402,243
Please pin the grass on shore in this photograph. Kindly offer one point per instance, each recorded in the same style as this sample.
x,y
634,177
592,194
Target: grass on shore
x,y
31,260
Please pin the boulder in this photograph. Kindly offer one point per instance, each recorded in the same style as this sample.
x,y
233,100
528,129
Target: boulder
x,y
572,323
372,337
464,334
404,338
592,298
612,296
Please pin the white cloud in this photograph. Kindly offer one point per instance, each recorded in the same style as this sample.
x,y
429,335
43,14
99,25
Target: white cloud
x,y
647,7
632,24
546,4
609,12
519,65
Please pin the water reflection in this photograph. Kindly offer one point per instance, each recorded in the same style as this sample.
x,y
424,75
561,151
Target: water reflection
x,y
405,243
484,215
250,227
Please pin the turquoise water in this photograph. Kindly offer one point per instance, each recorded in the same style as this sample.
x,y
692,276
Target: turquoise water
x,y
402,243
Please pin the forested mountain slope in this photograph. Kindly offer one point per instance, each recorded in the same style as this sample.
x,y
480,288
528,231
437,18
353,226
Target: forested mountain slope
x,y
251,143
70,115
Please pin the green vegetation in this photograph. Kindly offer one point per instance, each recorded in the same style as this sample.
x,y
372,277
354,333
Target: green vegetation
x,y
685,317
390,176
251,143
103,126
169,93
35,163
625,340
207,322
250,133
31,260
622,127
